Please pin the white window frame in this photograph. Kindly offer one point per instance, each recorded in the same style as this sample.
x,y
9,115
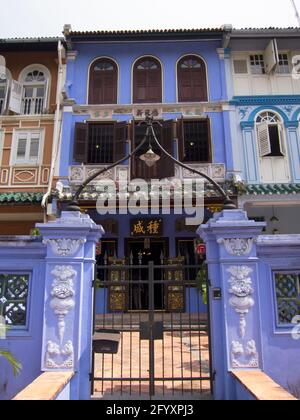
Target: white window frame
x,y
28,133
277,71
7,86
46,84
252,67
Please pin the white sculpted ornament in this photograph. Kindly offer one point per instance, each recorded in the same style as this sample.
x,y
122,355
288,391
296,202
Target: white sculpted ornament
x,y
62,295
242,291
64,247
237,246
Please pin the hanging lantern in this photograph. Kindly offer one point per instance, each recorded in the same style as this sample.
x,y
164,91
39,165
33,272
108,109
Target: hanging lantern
x,y
150,158
200,249
98,248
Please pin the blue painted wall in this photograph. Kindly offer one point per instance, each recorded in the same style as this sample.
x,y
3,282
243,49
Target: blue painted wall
x,y
125,54
25,344
280,350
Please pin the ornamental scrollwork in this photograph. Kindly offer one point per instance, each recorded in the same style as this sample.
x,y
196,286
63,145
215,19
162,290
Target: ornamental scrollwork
x,y
63,294
64,247
237,246
62,301
244,356
242,291
65,354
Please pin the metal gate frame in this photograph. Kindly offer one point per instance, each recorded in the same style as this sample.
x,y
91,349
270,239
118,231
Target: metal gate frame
x,y
121,321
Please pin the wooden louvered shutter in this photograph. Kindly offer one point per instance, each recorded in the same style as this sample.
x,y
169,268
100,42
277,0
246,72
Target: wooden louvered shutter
x,y
181,140
192,82
281,140
110,88
120,137
199,84
154,85
165,166
103,88
264,144
81,143
138,168
147,82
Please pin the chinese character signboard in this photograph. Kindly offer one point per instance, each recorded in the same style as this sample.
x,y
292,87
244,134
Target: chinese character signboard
x,y
146,227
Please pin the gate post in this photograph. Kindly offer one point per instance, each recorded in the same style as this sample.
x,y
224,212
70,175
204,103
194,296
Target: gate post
x,y
234,302
68,307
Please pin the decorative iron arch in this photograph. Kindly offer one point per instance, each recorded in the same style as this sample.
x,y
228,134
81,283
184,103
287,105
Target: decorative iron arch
x,y
151,137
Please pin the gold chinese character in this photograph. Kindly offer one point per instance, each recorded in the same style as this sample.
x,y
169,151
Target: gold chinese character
x,y
153,227
138,228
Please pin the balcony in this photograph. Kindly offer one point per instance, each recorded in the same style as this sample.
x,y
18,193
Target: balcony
x,y
78,174
24,176
32,106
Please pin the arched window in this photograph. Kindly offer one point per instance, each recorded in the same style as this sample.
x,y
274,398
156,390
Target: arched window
x,y
35,89
3,92
272,150
5,80
147,81
270,135
103,88
192,82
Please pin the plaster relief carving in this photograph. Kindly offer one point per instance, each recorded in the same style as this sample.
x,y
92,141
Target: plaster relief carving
x,y
62,302
244,357
66,356
237,246
62,295
77,173
242,291
64,247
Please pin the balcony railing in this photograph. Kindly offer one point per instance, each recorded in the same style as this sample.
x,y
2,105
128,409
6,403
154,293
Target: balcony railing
x,y
79,173
32,105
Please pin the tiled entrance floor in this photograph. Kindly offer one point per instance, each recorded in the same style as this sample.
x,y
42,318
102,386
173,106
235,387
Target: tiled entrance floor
x,y
183,356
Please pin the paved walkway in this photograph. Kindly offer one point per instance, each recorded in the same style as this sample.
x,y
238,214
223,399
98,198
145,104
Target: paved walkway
x,y
181,355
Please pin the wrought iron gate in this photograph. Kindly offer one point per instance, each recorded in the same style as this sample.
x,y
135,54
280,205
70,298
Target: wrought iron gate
x,y
151,339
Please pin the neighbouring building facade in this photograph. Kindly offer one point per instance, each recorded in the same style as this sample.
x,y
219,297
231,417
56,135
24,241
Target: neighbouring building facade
x,y
115,79
264,91
30,121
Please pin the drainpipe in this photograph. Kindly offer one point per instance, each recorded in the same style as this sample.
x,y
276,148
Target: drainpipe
x,y
57,129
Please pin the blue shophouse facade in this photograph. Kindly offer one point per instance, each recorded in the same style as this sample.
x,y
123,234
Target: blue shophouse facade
x,y
199,109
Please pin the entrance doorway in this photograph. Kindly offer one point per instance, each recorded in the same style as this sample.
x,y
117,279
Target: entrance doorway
x,y
140,252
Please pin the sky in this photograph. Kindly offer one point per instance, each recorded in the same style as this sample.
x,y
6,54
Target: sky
x,y
33,18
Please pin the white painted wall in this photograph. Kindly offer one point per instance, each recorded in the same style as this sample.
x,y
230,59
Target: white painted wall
x,y
274,84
